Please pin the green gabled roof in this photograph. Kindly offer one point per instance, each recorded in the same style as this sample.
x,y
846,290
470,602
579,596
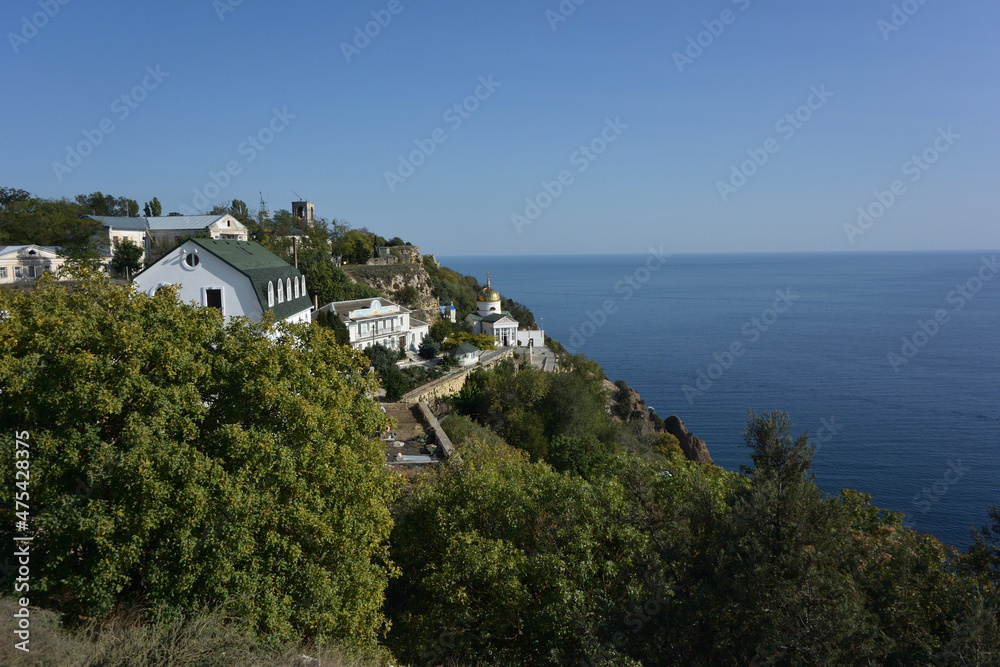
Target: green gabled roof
x,y
261,266
463,349
496,317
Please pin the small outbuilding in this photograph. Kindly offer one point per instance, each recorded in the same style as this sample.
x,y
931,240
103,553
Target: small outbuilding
x,y
466,353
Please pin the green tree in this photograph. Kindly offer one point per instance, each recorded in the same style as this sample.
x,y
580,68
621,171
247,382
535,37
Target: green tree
x,y
98,203
239,210
10,196
127,258
441,329
429,348
182,463
408,295
774,587
581,454
382,358
328,281
50,223
984,555
330,319
355,247
509,562
153,208
395,383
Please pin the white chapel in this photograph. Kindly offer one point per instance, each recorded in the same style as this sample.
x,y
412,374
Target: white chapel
x,y
490,319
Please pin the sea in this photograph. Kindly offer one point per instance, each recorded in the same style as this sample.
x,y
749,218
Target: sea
x,y
891,361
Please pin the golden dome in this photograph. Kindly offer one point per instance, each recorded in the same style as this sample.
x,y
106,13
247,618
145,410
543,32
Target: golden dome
x,y
488,294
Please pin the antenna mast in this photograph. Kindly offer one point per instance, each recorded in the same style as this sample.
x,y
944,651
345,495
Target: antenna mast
x,y
263,207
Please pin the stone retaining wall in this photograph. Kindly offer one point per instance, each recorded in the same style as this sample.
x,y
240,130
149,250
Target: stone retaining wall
x,y
440,437
451,384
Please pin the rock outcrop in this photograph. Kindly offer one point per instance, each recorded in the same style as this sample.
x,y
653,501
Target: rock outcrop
x,y
406,284
624,403
694,448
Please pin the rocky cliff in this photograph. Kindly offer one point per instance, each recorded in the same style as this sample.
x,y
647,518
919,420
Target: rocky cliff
x,y
406,284
694,448
624,403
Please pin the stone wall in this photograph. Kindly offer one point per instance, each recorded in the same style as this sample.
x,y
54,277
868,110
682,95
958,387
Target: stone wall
x,y
451,384
440,437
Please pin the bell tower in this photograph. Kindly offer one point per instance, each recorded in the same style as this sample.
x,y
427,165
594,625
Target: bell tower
x,y
305,213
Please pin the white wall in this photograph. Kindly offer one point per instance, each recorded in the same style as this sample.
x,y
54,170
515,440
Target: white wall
x,y
537,337
229,226
42,260
136,237
238,297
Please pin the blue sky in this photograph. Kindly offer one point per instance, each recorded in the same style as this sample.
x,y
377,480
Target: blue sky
x,y
673,129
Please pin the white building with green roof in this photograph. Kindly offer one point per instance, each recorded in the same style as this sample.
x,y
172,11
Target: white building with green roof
x,y
240,278
490,319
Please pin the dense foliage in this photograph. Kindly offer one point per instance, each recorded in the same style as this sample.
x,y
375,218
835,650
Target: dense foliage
x,y
482,341
26,219
559,418
177,462
505,561
328,282
451,287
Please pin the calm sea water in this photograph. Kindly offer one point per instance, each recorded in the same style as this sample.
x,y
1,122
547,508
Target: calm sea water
x,y
812,334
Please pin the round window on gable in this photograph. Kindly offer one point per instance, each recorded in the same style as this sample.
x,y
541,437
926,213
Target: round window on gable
x,y
192,260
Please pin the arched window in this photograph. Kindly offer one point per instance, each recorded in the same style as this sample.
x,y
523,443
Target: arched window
x,y
270,295
304,285
296,281
281,291
288,288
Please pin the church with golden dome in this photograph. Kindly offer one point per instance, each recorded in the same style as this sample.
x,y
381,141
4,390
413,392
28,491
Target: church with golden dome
x,y
490,319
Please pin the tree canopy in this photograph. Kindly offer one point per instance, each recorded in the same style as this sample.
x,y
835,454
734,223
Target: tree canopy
x,y
180,463
127,258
